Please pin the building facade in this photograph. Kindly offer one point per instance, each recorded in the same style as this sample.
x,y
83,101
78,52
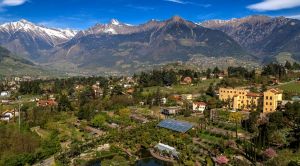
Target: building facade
x,y
243,99
238,98
199,106
271,99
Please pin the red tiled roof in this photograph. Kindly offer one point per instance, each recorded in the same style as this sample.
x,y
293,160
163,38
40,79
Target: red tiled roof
x,y
275,90
187,79
176,97
44,103
252,94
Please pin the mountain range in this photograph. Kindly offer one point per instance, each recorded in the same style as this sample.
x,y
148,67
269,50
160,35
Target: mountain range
x,y
117,46
30,40
262,36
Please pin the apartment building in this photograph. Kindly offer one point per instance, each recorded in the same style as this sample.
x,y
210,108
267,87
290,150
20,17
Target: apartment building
x,y
243,99
239,98
271,99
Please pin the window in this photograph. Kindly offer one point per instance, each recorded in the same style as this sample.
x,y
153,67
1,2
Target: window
x,y
270,103
267,97
270,97
267,103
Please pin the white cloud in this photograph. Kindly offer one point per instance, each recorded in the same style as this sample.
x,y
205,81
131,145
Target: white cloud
x,y
177,1
190,3
12,2
271,5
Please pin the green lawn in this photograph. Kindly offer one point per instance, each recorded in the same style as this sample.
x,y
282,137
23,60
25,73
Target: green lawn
x,y
182,89
293,87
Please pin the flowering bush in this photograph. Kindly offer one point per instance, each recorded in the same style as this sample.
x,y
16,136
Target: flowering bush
x,y
222,160
270,153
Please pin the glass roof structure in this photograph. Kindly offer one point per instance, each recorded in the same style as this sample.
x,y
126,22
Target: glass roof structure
x,y
175,125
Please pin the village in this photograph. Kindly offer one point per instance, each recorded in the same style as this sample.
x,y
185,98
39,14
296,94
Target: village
x,y
175,117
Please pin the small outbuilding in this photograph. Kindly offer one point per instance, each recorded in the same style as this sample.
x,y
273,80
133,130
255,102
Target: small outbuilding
x,y
168,149
170,110
199,106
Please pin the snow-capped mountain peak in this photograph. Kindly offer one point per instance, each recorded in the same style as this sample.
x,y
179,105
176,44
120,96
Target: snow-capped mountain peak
x,y
14,26
69,32
51,35
113,27
114,22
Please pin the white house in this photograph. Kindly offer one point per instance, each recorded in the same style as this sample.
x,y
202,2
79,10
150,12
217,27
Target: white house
x,y
199,106
5,94
127,85
163,100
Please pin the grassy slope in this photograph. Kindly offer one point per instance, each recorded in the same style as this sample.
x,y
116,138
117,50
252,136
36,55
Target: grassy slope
x,y
10,66
293,87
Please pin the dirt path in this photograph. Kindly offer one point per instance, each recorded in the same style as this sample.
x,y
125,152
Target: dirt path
x,y
47,162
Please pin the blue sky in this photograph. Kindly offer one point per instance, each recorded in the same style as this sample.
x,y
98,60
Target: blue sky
x,y
81,14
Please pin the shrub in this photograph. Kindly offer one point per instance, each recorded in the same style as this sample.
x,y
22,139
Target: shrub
x,y
222,160
270,153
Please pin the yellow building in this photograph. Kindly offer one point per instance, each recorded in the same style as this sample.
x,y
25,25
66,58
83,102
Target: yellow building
x,y
248,102
229,93
271,99
243,99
